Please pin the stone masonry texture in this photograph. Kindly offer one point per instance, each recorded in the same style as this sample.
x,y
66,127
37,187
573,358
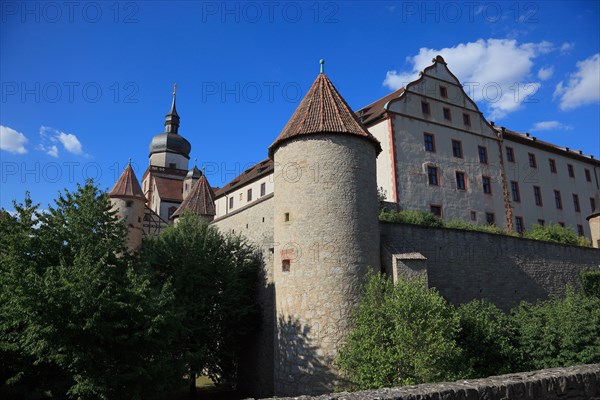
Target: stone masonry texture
x,y
578,382
326,239
467,265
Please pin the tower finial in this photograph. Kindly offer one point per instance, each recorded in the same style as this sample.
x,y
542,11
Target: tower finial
x,y
195,162
174,89
129,161
172,119
322,62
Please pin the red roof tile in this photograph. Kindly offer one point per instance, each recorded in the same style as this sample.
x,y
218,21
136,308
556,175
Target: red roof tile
x,y
200,200
374,111
127,186
323,110
169,189
259,170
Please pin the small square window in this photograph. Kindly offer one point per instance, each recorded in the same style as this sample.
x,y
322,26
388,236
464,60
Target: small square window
x,y
562,224
443,92
576,203
172,165
429,142
263,189
457,148
230,202
285,265
467,119
541,222
447,114
461,183
510,154
552,164
483,157
436,210
487,184
286,217
129,203
537,196
473,216
514,188
519,224
571,171
588,175
490,218
557,200
432,176
532,161
425,108
249,195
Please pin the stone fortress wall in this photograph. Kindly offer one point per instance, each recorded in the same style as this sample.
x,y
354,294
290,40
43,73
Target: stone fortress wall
x,y
467,265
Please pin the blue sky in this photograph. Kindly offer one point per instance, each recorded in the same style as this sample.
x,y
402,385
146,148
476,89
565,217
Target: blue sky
x,y
85,85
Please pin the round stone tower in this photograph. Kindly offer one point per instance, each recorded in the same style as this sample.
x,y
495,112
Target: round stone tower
x,y
594,221
326,235
127,198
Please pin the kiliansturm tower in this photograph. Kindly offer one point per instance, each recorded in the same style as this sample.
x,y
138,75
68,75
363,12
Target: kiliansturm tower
x,y
326,235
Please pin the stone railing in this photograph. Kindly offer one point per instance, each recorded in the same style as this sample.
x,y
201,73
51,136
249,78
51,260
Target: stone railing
x,y
578,382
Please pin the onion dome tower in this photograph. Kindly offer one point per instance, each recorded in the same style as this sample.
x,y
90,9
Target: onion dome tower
x,y
326,232
127,198
169,149
594,221
200,200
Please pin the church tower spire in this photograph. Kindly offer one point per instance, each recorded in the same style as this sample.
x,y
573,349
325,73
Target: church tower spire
x,y
172,118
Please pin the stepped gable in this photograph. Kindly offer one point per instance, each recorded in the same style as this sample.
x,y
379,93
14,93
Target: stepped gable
x,y
127,186
200,201
323,110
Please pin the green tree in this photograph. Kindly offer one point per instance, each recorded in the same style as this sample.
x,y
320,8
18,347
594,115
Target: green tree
x,y
555,233
403,334
590,283
487,337
214,278
559,332
71,298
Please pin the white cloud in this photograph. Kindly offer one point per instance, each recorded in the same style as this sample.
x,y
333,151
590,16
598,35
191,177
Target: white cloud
x,y
583,86
550,125
545,73
566,48
69,141
498,71
12,141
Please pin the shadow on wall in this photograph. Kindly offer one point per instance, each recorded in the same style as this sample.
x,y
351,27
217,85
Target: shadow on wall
x,y
301,366
256,364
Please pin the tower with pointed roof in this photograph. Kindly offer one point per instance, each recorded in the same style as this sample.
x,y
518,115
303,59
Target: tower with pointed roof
x,y
199,201
326,234
127,198
594,221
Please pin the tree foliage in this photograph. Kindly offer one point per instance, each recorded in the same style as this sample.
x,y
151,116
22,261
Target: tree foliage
x,y
590,283
214,278
76,309
555,233
404,334
559,332
487,337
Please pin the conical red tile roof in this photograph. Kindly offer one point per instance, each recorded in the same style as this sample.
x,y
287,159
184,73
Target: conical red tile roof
x,y
323,110
200,200
127,186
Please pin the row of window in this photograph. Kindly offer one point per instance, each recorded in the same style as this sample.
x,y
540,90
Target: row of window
x,y
537,197
457,150
490,218
446,112
510,156
461,184
263,191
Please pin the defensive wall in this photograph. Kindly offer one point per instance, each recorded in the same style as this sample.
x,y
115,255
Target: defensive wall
x,y
466,265
578,382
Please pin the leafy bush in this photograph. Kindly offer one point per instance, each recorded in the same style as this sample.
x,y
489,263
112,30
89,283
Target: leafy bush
x,y
487,339
555,233
457,224
404,334
559,332
590,283
415,217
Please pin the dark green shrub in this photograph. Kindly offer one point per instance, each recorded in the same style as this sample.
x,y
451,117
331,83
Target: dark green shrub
x,y
554,233
590,283
414,217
